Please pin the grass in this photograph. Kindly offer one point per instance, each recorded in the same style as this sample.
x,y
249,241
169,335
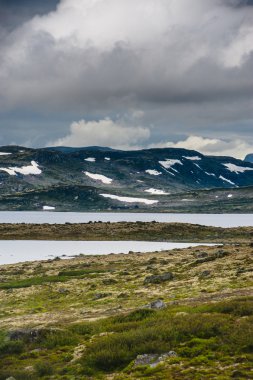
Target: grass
x,y
96,324
26,283
200,339
62,276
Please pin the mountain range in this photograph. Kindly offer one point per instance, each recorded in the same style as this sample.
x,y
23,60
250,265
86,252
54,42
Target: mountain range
x,y
103,179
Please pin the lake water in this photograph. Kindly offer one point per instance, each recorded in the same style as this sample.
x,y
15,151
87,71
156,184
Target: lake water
x,y
217,220
14,251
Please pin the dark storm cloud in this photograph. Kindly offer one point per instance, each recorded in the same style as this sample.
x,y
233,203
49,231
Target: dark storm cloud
x,y
15,12
174,72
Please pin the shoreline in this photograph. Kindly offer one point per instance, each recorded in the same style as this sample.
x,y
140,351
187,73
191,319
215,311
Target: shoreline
x,y
124,231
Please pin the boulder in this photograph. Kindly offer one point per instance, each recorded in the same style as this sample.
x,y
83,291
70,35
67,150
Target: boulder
x,y
205,273
109,281
99,296
30,335
158,304
153,360
158,279
145,359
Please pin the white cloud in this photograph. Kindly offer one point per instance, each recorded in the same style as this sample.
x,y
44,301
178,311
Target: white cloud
x,y
217,147
104,132
183,62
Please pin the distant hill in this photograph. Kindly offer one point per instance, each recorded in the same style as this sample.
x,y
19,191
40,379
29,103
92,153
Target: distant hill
x,y
67,149
95,178
249,158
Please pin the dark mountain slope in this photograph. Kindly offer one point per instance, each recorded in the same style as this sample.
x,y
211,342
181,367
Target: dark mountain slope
x,y
155,175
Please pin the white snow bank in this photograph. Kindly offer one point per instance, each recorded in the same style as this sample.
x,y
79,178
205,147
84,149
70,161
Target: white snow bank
x,y
107,159
168,163
129,199
227,180
237,169
152,172
90,159
199,167
193,158
99,177
48,208
211,174
25,170
230,195
156,192
4,154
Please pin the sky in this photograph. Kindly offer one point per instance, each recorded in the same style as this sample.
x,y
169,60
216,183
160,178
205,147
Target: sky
x,y
128,74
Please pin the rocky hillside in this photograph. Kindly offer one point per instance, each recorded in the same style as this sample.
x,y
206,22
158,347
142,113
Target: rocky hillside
x,y
104,179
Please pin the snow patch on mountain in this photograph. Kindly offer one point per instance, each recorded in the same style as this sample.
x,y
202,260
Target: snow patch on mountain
x,y
236,169
90,159
129,199
99,177
193,158
48,208
107,159
210,174
226,180
152,172
156,192
25,170
168,163
4,154
197,166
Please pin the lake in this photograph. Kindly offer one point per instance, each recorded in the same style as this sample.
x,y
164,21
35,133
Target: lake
x,y
217,220
14,251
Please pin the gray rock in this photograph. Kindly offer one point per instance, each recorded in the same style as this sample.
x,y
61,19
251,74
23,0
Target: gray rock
x,y
159,304
109,281
201,255
163,357
153,359
99,296
158,279
30,335
63,291
205,273
145,359
10,378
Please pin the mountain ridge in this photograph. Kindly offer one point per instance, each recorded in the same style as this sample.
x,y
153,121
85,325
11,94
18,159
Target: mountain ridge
x,y
113,179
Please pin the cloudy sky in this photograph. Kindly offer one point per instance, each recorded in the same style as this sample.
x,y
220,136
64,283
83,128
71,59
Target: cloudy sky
x,y
127,74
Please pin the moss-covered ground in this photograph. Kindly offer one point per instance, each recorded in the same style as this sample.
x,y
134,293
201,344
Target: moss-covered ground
x,y
151,231
87,317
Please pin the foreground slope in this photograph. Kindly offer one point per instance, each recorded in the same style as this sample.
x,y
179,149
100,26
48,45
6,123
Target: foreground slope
x,y
90,317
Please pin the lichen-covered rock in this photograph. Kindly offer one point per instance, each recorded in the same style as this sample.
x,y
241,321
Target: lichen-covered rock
x,y
30,335
158,304
153,360
205,273
145,359
158,279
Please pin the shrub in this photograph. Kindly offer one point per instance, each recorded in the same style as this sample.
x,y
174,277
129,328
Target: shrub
x,y
59,339
43,368
241,307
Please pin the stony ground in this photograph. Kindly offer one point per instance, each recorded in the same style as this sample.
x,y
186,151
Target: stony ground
x,y
89,298
89,287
